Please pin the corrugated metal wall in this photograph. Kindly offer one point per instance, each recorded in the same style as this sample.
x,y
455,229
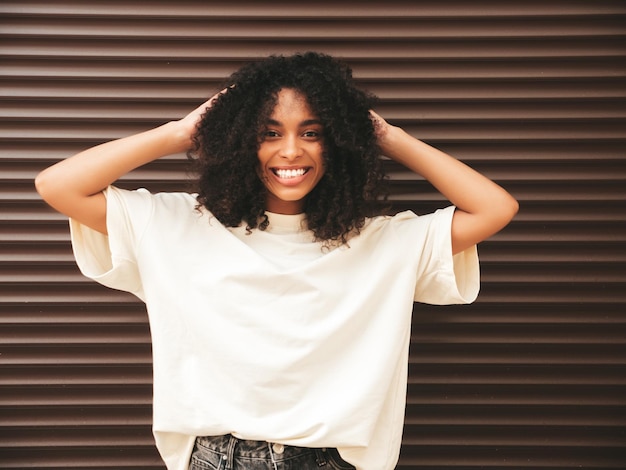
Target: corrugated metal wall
x,y
531,93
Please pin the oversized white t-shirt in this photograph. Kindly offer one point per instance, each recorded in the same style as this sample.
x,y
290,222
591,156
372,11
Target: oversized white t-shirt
x,y
271,336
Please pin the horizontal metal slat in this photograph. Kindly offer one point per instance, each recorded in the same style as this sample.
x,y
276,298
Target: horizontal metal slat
x,y
193,91
76,334
568,312
38,155
61,294
211,70
132,313
472,335
89,416
516,394
69,375
76,395
570,351
328,28
505,457
521,415
348,48
516,436
516,374
584,130
78,436
70,112
92,458
116,350
324,8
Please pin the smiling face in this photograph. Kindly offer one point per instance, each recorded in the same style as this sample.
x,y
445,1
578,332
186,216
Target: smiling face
x,y
290,155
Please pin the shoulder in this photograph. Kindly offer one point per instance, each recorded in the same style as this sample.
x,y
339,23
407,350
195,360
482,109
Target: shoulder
x,y
141,208
404,218
409,224
381,222
144,197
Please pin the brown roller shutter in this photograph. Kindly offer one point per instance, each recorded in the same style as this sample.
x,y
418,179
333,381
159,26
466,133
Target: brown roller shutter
x,y
531,93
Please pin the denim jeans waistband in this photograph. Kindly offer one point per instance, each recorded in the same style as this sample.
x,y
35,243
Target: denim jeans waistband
x,y
230,453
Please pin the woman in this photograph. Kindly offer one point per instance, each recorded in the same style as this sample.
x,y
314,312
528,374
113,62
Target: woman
x,y
280,309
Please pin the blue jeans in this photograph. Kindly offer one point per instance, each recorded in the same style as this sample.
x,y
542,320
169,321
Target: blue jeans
x,y
229,453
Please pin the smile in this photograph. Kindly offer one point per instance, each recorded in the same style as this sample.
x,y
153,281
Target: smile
x,y
284,173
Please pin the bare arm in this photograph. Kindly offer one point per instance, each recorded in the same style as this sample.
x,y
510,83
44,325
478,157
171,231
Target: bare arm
x,y
75,186
483,207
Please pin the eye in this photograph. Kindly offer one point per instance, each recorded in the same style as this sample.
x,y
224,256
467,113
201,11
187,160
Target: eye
x,y
311,134
269,134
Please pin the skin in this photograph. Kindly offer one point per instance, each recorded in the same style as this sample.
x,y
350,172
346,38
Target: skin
x,y
290,156
75,186
482,207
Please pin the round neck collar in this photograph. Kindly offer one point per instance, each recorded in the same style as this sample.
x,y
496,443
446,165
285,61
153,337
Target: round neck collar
x,y
286,222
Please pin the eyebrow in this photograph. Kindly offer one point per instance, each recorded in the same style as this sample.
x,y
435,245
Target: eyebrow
x,y
308,122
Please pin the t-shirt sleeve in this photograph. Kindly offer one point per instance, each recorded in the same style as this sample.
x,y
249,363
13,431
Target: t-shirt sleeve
x,y
441,277
111,259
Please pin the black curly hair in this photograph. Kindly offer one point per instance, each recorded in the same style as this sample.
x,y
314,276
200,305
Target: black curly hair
x,y
230,132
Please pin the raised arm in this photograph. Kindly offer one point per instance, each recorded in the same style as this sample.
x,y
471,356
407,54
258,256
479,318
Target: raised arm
x,y
483,207
74,186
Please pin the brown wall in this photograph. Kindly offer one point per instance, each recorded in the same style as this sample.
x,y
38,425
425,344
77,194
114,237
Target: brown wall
x,y
531,93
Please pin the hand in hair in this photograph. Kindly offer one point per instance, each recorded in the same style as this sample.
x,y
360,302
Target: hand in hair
x,y
189,124
381,127
75,186
483,207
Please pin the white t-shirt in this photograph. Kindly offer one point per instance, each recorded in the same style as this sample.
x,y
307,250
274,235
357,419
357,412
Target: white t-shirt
x,y
271,336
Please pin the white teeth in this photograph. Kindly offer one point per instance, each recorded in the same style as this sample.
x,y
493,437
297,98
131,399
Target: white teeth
x,y
290,173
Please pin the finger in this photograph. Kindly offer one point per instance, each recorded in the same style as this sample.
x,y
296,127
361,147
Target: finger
x,y
378,122
217,95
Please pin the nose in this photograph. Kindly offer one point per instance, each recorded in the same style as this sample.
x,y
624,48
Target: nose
x,y
290,149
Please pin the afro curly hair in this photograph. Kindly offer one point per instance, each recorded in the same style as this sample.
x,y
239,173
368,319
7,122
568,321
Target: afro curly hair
x,y
230,132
